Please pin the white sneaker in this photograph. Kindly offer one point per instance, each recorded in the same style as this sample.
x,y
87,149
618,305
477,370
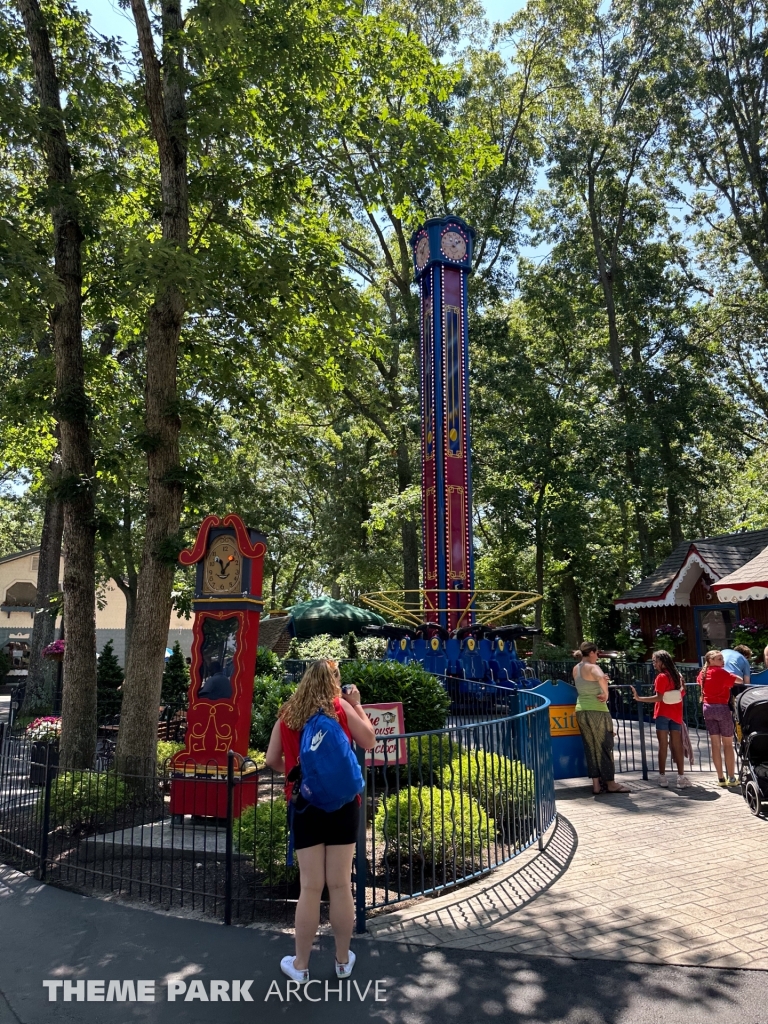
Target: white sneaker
x,y
286,966
344,970
663,781
683,782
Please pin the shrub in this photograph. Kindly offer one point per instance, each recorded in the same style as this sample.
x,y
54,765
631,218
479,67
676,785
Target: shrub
x,y
321,646
84,798
268,663
371,648
109,677
175,679
435,825
261,831
492,779
269,692
425,701
165,751
429,752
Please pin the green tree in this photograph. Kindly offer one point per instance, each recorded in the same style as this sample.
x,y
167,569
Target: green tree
x,y
109,679
175,679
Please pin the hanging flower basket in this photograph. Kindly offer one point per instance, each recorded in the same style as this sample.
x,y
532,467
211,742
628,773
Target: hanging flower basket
x,y
54,651
669,637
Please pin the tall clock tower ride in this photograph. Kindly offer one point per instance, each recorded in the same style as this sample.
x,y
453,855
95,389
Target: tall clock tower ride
x,y
442,251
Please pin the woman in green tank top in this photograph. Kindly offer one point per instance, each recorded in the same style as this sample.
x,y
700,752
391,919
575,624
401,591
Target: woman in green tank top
x,y
594,719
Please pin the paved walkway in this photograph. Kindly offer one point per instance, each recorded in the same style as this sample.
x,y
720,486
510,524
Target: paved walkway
x,y
656,876
56,936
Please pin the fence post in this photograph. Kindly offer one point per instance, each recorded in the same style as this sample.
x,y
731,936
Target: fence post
x,y
361,852
643,755
228,849
41,867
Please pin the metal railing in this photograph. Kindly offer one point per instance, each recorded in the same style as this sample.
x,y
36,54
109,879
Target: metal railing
x,y
466,799
636,743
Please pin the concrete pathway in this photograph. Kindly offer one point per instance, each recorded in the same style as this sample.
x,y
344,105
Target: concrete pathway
x,y
655,876
81,943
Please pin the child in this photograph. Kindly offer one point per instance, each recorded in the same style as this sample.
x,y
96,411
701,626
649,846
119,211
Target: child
x,y
668,716
716,686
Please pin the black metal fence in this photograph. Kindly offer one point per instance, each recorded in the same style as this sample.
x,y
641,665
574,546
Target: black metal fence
x,y
457,803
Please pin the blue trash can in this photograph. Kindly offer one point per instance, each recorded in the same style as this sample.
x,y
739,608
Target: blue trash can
x,y
567,749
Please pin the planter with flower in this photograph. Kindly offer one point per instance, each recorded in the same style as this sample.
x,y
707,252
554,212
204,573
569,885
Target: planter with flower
x,y
54,651
669,638
44,734
750,632
630,642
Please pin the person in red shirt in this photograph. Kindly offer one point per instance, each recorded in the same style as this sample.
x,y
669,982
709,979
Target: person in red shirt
x,y
716,685
324,841
668,716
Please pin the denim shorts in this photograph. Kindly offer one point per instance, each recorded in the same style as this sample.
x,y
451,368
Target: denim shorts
x,y
664,724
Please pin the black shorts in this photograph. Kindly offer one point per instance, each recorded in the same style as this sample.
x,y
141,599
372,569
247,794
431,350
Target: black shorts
x,y
311,826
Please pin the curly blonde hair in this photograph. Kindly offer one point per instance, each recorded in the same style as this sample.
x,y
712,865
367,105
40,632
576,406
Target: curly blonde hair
x,y
316,691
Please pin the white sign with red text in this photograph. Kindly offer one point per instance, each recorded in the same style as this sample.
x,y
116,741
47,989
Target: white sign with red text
x,y
387,720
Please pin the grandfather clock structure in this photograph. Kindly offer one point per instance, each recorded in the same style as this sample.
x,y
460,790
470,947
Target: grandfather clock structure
x,y
227,607
442,251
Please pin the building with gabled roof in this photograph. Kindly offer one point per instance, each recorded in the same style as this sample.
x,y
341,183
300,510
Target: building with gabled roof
x,y
684,591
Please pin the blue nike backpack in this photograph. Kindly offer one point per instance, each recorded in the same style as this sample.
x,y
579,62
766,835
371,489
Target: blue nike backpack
x,y
330,771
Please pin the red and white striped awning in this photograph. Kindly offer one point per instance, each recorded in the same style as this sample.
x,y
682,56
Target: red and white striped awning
x,y
749,583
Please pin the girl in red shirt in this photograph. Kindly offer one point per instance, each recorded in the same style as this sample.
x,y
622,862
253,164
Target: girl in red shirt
x,y
716,686
668,715
324,841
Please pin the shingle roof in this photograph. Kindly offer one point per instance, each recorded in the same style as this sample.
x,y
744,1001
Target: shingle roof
x,y
19,554
722,554
274,630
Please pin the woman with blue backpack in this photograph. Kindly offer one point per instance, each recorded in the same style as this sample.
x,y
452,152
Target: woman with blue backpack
x,y
311,744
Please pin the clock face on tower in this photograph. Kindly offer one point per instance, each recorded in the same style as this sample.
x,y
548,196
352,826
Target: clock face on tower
x,y
223,567
454,245
422,252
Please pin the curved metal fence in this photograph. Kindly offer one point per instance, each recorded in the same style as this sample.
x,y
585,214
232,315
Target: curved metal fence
x,y
463,800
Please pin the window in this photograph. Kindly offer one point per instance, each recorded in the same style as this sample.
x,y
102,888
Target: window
x,y
35,562
21,595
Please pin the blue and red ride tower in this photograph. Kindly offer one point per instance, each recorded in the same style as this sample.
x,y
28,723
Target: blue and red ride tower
x,y
442,251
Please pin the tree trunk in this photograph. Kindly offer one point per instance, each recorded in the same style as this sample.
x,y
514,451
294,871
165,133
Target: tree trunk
x,y
574,630
78,737
166,101
408,529
38,695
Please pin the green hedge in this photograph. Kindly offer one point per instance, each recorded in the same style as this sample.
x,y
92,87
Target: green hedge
x,y
434,825
261,831
425,702
84,798
269,693
492,779
427,757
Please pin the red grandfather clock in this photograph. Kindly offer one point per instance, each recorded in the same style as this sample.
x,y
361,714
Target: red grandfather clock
x,y
227,606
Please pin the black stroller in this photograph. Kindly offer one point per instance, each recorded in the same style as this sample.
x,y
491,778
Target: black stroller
x,y
752,735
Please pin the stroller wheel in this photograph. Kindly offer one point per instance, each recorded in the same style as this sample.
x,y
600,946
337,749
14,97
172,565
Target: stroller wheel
x,y
752,796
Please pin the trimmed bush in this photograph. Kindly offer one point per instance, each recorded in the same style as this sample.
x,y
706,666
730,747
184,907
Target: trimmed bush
x,y
261,831
425,702
84,798
434,825
268,663
175,679
269,693
165,751
492,779
429,752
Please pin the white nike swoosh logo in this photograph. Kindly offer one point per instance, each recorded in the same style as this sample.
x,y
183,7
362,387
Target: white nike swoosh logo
x,y
317,739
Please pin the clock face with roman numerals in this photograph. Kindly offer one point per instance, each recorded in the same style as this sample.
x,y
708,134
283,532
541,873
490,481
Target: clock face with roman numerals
x,y
223,567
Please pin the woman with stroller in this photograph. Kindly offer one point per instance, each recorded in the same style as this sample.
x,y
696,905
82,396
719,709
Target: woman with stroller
x,y
668,715
324,841
594,719
716,685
